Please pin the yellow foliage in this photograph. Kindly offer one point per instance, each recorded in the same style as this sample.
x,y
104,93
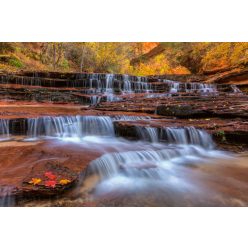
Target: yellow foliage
x,y
35,181
225,54
116,57
64,181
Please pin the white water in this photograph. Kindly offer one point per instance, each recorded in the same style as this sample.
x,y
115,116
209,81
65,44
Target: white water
x,y
150,163
70,126
95,99
236,89
171,135
131,167
4,129
106,86
187,135
148,134
112,87
175,87
138,165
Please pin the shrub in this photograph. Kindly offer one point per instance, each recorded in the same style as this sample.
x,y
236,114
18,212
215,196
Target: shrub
x,y
14,61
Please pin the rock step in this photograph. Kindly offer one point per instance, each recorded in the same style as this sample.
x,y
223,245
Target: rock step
x,y
40,95
56,82
185,106
78,75
229,131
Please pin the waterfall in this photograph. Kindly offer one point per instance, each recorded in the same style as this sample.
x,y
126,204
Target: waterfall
x,y
127,88
207,88
145,163
135,87
175,87
64,126
203,88
6,198
81,126
95,99
140,86
70,126
106,87
148,134
97,125
187,135
235,89
109,82
4,129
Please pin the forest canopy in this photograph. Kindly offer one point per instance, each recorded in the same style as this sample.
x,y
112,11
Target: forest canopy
x,y
141,58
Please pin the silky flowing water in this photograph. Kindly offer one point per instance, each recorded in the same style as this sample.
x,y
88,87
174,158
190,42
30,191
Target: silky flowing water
x,y
139,173
168,167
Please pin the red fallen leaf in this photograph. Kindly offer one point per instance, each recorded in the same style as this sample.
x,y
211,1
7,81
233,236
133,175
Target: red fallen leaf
x,y
50,175
50,184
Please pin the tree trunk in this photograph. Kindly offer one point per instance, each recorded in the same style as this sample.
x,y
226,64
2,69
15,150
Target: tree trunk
x,y
54,56
82,59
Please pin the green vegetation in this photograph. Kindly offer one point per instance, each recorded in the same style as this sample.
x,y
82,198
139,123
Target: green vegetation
x,y
14,61
221,134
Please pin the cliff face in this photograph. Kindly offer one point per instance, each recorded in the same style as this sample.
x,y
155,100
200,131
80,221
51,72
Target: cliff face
x,y
198,58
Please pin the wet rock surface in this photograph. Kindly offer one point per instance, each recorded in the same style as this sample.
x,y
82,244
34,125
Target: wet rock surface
x,y
226,133
24,165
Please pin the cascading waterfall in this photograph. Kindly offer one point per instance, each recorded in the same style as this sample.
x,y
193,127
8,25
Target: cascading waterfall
x,y
174,87
207,88
149,163
148,133
64,126
129,166
145,163
97,125
203,88
140,86
111,87
70,126
127,88
153,165
187,135
4,129
81,126
95,99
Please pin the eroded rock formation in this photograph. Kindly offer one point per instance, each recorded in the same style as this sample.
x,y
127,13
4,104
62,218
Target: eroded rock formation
x,y
215,103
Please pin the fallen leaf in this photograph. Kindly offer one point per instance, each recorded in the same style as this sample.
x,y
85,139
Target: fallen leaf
x,y
35,181
50,184
50,175
64,181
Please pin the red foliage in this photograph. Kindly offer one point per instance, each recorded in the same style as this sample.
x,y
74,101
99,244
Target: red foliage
x,y
50,183
50,175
